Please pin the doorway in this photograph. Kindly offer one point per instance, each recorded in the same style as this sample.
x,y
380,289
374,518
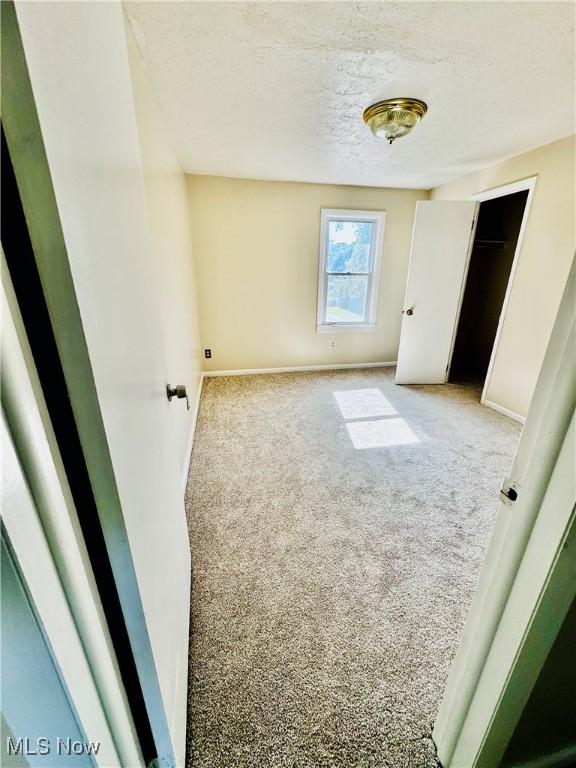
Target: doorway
x,y
492,260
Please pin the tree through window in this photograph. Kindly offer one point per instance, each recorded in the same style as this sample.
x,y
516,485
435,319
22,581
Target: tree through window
x,y
349,259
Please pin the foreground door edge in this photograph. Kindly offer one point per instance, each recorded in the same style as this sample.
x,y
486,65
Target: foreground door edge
x,y
30,436
529,559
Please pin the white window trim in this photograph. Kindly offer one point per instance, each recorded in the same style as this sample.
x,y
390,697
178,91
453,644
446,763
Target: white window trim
x,y
375,217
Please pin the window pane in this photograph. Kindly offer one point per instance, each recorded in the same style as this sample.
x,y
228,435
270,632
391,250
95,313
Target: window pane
x,y
346,299
349,246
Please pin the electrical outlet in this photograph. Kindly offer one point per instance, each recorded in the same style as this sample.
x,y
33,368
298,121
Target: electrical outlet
x,y
207,353
333,344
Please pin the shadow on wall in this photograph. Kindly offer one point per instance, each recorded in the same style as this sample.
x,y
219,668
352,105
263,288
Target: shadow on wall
x,y
360,407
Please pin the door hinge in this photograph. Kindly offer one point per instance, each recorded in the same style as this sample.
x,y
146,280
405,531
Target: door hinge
x,y
509,492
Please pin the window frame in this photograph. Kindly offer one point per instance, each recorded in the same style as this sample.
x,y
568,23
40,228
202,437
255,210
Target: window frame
x,y
377,219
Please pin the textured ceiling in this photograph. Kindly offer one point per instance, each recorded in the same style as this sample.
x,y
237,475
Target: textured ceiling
x,y
276,90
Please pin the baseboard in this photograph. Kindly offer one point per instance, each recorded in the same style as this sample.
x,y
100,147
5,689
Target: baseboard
x,y
504,411
195,410
563,758
295,368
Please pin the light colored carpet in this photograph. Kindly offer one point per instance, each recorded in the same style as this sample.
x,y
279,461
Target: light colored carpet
x,y
330,582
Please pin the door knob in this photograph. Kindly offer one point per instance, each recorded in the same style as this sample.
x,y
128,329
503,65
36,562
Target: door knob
x,y
409,312
178,391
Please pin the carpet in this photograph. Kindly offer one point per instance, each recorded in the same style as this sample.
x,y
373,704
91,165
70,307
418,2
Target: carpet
x,y
338,525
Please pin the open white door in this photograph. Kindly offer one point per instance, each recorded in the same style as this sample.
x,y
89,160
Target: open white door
x,y
441,242
73,137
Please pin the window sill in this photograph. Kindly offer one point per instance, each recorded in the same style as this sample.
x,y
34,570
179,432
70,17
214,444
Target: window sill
x,y
346,328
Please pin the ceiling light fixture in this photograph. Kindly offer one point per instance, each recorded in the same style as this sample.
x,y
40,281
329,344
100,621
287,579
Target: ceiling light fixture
x,y
394,118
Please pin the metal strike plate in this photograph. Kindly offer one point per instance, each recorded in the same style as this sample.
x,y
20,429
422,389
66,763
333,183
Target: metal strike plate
x,y
509,492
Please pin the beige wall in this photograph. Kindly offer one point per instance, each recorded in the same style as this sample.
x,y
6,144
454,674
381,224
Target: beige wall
x,y
256,248
543,265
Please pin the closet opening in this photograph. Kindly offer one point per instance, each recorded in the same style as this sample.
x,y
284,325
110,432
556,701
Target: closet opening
x,y
489,270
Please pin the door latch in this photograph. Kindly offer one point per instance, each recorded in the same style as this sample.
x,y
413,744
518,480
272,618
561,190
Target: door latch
x,y
509,492
178,391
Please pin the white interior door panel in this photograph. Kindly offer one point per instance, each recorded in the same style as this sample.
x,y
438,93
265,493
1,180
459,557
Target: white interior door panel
x,y
441,242
77,60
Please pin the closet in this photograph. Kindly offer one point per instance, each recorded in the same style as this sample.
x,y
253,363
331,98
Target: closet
x,y
491,258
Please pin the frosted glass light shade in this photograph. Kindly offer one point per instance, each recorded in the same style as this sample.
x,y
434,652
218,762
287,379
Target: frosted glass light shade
x,y
394,118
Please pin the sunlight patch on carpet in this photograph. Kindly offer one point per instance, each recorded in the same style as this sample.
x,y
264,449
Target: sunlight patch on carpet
x,y
364,404
381,433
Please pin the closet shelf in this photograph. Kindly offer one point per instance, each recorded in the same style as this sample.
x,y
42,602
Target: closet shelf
x,y
489,243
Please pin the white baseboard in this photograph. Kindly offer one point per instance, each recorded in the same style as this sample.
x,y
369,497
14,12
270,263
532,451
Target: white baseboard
x,y
504,411
563,758
195,409
295,368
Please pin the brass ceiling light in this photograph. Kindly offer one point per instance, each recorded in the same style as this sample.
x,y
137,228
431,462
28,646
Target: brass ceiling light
x,y
394,118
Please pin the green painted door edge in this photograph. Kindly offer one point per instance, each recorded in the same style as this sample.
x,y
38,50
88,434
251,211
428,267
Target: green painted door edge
x,y
23,134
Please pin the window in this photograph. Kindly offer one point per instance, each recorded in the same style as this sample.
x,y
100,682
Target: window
x,y
350,246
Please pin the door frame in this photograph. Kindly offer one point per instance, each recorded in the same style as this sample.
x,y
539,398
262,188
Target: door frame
x,y
529,575
523,185
43,531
